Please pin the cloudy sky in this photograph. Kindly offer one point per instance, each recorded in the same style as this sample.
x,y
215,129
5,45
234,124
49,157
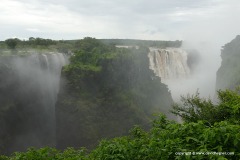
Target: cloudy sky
x,y
138,19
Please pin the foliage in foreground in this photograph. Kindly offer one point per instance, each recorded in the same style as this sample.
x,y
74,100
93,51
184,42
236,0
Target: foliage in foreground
x,y
48,153
195,108
166,140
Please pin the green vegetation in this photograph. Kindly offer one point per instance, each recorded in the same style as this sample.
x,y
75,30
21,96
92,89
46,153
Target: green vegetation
x,y
20,47
67,46
146,43
107,90
12,43
107,87
194,108
48,154
228,75
165,140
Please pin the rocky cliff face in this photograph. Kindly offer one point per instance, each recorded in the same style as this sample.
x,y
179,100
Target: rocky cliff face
x,y
28,92
228,75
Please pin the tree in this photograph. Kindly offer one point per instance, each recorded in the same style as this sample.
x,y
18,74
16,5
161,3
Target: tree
x,y
12,42
31,39
194,108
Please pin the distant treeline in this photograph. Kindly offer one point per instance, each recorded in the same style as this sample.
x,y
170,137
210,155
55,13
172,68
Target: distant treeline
x,y
146,43
66,46
11,43
133,42
38,44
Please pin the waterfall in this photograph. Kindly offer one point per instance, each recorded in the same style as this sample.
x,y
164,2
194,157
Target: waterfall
x,y
30,119
171,65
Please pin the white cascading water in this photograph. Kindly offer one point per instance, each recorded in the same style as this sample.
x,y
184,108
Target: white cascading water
x,y
39,74
171,65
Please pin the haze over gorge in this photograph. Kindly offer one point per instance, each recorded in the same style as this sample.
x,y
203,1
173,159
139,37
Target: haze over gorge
x,y
74,93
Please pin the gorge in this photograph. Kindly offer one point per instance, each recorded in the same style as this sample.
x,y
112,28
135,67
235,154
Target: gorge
x,y
102,93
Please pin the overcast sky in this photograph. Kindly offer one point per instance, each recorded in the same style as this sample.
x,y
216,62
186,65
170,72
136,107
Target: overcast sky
x,y
135,19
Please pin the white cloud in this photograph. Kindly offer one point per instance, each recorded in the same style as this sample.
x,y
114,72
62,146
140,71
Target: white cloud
x,y
144,19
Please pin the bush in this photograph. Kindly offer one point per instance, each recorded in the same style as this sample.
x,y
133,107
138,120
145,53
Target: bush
x,y
194,108
167,140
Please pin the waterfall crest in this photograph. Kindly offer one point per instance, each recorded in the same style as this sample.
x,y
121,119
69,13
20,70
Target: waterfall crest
x,y
169,64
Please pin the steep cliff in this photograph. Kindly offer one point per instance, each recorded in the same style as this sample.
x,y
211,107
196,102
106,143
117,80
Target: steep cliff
x,y
228,75
105,91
